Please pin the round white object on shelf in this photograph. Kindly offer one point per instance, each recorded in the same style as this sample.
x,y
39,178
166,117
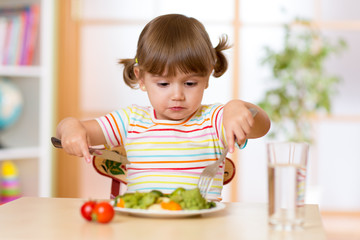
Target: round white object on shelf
x,y
11,103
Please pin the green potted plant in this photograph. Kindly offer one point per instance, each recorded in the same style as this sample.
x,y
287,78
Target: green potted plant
x,y
300,86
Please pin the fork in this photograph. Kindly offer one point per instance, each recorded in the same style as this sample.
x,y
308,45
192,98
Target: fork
x,y
207,176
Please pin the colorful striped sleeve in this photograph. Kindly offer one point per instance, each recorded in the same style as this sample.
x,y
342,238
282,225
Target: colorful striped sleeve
x,y
217,122
115,126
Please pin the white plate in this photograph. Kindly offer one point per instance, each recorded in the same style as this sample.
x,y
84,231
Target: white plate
x,y
168,213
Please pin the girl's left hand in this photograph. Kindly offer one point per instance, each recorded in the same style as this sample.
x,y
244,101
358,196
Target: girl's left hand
x,y
237,121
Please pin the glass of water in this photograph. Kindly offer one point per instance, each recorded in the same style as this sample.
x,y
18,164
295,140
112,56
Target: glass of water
x,y
287,164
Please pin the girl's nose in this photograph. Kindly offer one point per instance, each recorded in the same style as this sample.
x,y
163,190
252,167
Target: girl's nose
x,y
178,94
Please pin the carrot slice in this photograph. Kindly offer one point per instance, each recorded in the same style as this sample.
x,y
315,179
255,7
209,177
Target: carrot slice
x,y
121,203
173,206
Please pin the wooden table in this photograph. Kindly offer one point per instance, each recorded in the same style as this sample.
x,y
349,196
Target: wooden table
x,y
59,218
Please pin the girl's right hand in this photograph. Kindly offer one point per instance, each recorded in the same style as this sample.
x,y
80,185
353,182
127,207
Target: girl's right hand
x,y
74,138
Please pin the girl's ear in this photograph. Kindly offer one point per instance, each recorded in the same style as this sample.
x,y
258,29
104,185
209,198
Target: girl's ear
x,y
141,82
137,72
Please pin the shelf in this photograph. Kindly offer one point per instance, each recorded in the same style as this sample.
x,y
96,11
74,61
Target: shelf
x,y
20,71
27,141
19,153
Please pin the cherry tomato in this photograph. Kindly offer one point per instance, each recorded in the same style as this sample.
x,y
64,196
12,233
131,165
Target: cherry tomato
x,y
103,212
87,209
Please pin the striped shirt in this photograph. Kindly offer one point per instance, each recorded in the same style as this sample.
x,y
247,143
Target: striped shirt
x,y
164,154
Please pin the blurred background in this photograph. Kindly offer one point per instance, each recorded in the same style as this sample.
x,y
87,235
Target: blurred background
x,y
70,69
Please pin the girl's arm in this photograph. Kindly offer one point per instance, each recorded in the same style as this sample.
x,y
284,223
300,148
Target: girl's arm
x,y
76,136
240,125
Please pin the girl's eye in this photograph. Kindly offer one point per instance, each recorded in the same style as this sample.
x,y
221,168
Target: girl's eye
x,y
163,84
191,84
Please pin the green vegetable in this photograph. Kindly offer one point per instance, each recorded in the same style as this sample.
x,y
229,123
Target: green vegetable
x,y
191,200
176,195
188,199
147,200
139,200
178,191
158,193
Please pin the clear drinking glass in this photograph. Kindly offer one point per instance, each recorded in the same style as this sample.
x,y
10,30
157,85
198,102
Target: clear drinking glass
x,y
287,163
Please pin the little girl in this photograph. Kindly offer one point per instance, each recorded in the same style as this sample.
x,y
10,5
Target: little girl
x,y
170,142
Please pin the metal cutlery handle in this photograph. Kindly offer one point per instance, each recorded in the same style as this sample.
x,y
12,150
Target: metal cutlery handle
x,y
102,153
56,142
222,156
253,111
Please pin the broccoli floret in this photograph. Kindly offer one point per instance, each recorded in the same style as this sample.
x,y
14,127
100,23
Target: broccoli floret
x,y
147,200
158,193
190,199
178,191
131,199
193,200
177,195
139,200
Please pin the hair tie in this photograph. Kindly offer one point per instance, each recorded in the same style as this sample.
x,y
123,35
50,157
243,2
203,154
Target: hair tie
x,y
136,61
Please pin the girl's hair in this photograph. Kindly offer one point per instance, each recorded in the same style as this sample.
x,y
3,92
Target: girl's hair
x,y
172,43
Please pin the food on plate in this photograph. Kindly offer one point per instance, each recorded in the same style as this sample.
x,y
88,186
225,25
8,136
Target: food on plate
x,y
102,212
179,199
170,205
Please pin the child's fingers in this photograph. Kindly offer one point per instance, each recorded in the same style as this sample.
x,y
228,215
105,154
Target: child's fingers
x,y
245,129
70,147
77,147
238,129
85,152
87,156
240,137
250,121
231,141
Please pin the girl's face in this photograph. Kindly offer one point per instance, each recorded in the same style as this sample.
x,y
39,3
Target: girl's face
x,y
174,98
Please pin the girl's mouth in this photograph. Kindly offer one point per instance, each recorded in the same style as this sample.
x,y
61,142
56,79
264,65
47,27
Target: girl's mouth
x,y
176,108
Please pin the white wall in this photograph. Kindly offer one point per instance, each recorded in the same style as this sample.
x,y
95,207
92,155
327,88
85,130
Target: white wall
x,y
334,181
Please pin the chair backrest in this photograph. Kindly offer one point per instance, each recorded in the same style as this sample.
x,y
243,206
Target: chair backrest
x,y
117,171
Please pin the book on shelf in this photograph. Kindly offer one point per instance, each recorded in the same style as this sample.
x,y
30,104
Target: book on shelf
x,y
18,34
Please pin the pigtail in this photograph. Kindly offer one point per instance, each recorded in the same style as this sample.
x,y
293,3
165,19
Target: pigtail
x,y
221,64
128,74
